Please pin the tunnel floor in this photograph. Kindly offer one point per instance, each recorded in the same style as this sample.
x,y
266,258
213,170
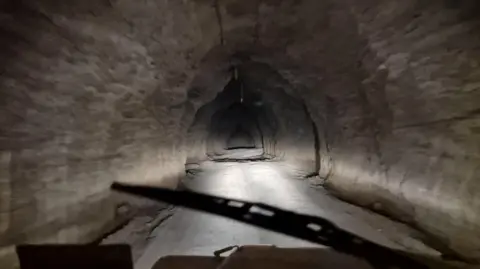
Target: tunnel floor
x,y
190,232
240,154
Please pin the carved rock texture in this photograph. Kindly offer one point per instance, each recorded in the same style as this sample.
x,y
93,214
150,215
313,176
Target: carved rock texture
x,y
380,98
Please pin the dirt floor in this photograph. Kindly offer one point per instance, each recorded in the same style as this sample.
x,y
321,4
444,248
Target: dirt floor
x,y
194,233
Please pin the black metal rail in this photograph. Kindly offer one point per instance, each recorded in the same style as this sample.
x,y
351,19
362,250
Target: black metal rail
x,y
310,228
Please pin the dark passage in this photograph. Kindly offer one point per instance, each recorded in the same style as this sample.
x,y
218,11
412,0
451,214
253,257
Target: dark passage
x,y
240,139
234,128
254,118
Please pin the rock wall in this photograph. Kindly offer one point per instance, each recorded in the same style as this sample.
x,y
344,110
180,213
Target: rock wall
x,y
235,127
421,101
280,117
86,92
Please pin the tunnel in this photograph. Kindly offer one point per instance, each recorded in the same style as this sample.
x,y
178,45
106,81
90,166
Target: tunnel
x,y
252,112
240,138
366,106
236,127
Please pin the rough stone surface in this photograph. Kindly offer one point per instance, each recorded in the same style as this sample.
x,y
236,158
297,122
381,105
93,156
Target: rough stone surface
x,y
421,103
87,90
97,91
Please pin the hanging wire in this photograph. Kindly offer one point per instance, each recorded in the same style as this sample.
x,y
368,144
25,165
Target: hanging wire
x,y
216,5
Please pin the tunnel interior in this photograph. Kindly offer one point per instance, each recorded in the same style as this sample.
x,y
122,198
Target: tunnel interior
x,y
242,124
378,99
253,118
240,139
237,126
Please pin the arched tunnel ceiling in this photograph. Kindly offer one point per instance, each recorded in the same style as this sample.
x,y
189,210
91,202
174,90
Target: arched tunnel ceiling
x,y
97,91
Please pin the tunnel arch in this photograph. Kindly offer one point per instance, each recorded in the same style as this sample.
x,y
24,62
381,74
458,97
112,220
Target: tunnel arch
x,y
224,123
282,122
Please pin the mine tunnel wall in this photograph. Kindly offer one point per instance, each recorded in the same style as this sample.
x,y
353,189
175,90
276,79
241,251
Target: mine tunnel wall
x,y
420,161
83,103
96,92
